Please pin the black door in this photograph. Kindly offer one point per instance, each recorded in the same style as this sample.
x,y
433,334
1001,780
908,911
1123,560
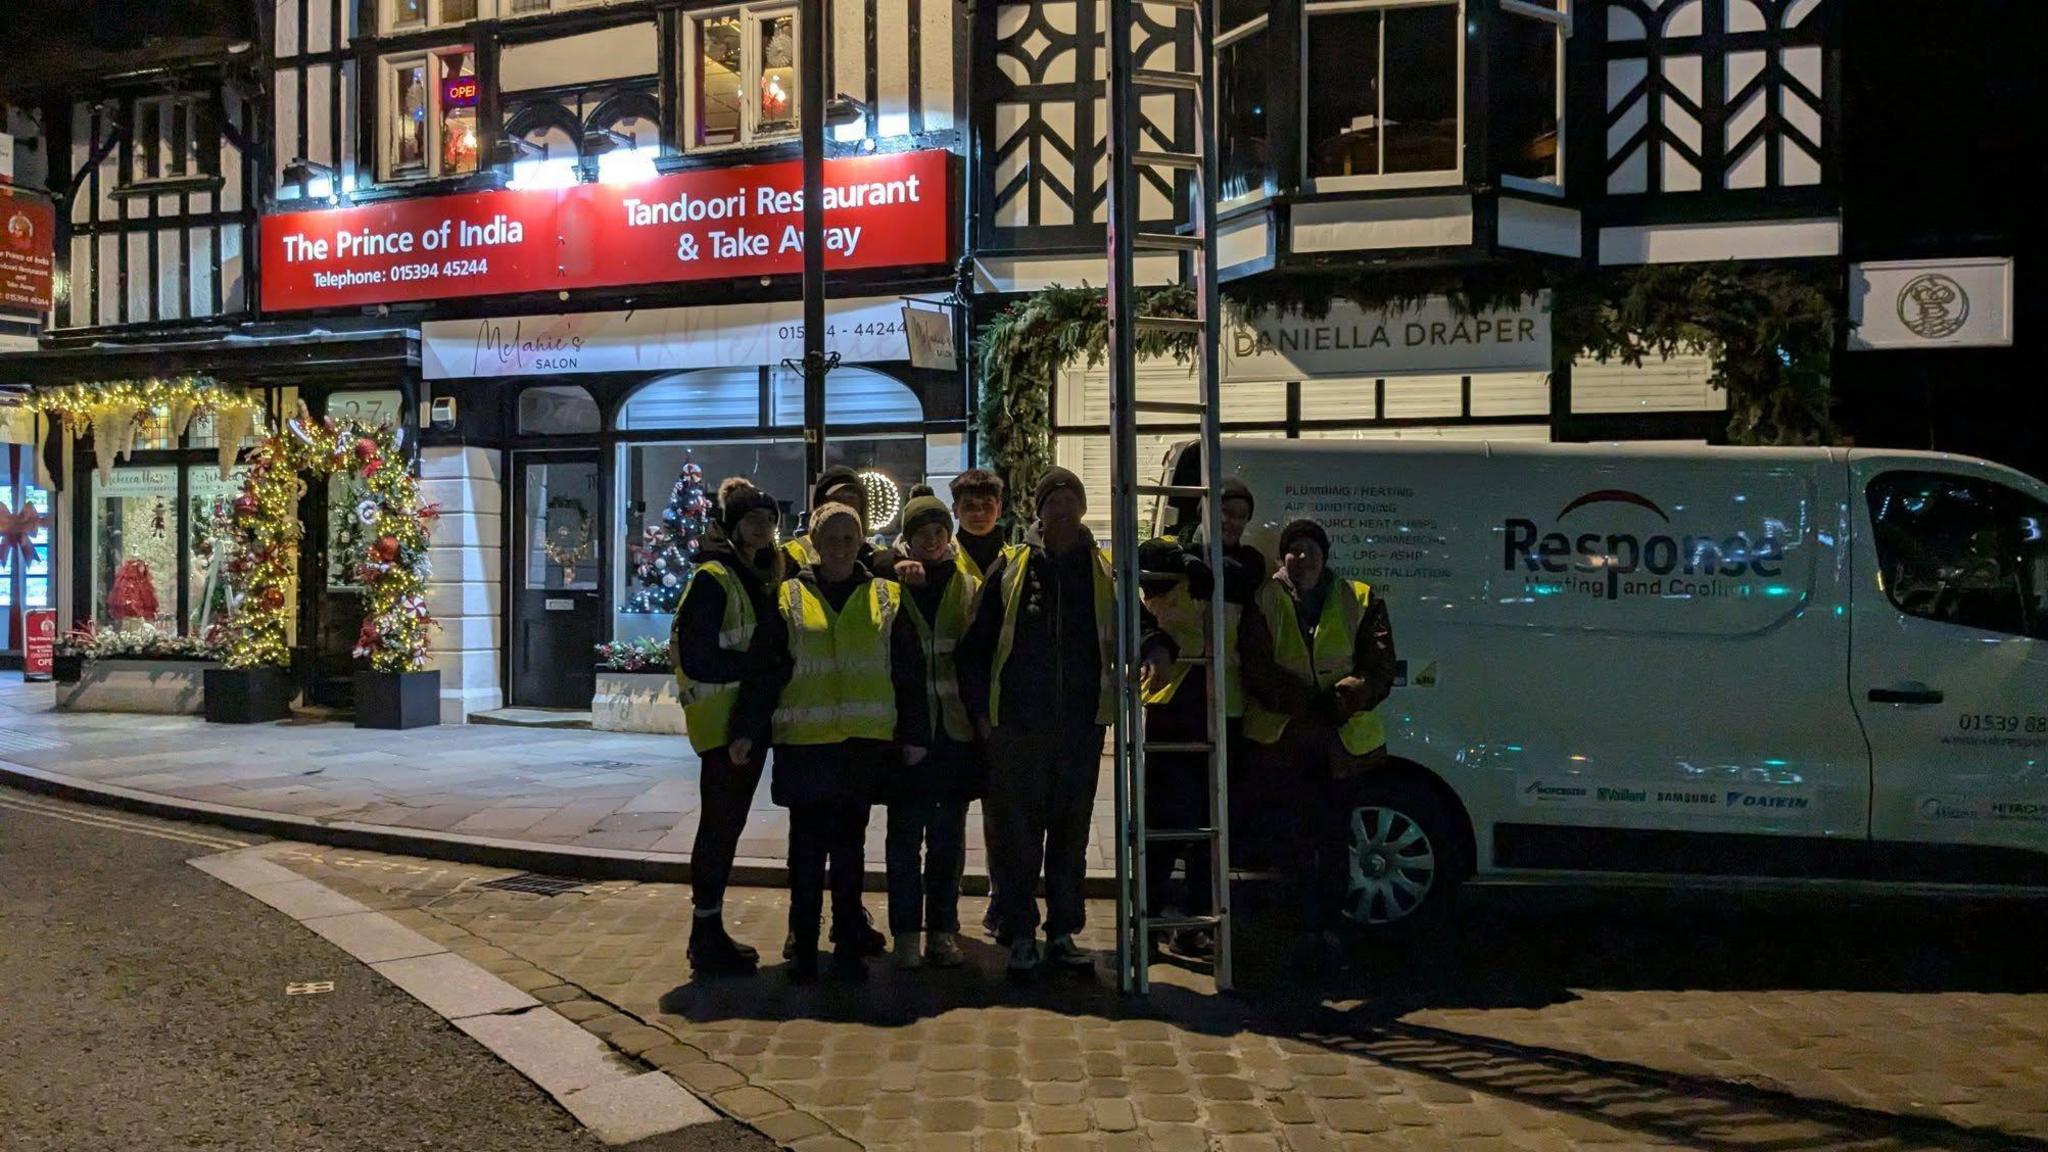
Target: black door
x,y
558,562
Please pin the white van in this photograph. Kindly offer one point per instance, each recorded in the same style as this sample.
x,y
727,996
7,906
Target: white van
x,y
1671,659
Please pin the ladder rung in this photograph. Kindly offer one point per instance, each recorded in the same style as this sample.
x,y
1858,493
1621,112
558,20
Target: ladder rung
x,y
1177,746
1182,407
1180,835
1170,81
1172,491
1187,160
1189,324
1181,923
1168,241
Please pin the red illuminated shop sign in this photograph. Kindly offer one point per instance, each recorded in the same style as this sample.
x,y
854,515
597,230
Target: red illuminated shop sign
x,y
459,92
886,211
28,228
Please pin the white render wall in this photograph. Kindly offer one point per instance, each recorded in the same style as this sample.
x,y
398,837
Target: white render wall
x,y
466,589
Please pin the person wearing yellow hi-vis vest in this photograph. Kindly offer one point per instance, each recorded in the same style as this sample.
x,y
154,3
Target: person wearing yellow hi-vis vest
x,y
1035,676
725,625
836,485
927,846
978,506
1333,638
846,707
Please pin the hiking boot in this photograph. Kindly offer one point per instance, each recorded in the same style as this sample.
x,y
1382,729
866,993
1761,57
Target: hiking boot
x,y
944,951
861,939
803,964
1023,956
848,964
906,951
1062,952
1194,942
714,953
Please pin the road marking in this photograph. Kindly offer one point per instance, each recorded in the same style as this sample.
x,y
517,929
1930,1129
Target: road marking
x,y
115,823
309,988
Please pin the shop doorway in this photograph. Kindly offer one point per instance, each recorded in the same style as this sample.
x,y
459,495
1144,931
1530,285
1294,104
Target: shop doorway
x,y
332,617
557,550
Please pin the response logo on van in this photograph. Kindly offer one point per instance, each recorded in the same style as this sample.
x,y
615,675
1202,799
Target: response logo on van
x,y
1554,558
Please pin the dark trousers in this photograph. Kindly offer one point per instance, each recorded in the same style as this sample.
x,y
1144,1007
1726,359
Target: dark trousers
x,y
727,790
825,837
1041,802
1177,798
1251,839
1315,845
924,895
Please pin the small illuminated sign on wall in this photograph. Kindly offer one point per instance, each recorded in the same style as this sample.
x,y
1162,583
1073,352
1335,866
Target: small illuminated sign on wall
x,y
459,92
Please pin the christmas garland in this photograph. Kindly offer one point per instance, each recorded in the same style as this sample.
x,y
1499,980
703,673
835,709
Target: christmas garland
x,y
115,410
264,548
1769,332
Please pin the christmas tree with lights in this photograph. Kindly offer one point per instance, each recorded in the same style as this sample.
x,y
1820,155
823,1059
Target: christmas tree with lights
x,y
668,550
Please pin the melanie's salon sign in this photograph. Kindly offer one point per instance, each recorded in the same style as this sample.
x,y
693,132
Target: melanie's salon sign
x,y
880,212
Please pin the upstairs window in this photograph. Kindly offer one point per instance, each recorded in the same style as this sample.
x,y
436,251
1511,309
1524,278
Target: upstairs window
x,y
413,15
742,65
429,110
1244,158
1383,93
166,138
1528,93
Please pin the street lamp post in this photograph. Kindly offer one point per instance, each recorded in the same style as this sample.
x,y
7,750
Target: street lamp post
x,y
811,120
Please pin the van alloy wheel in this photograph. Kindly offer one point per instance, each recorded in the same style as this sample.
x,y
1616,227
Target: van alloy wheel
x,y
1392,866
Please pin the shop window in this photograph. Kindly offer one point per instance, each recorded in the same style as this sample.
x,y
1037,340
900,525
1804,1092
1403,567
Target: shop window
x,y
548,139
651,560
134,548
852,396
1383,93
1244,164
429,109
166,138
742,75
25,549
1962,551
558,410
709,398
1528,87
209,505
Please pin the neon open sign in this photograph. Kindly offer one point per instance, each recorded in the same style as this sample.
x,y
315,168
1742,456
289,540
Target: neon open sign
x,y
459,92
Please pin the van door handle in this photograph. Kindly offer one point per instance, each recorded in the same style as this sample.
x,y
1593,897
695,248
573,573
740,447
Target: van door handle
x,y
1916,695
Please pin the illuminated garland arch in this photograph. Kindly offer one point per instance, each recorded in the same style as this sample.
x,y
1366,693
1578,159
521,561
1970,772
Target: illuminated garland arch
x,y
392,565
114,411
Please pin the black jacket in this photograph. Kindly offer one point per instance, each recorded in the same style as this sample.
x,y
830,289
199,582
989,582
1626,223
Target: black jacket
x,y
693,638
1055,667
952,769
845,772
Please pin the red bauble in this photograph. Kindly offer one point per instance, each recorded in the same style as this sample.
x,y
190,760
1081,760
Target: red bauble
x,y
273,598
365,448
245,505
385,550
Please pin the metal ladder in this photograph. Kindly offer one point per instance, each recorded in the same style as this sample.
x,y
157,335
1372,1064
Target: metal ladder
x,y
1196,248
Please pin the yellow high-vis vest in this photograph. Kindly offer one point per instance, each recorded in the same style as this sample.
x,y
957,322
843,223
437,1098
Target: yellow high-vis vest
x,y
800,551
940,638
841,689
1182,617
1329,661
707,707
1016,560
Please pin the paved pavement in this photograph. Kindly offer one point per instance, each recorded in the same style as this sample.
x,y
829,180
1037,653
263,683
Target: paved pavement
x,y
148,1007
1541,1021
630,797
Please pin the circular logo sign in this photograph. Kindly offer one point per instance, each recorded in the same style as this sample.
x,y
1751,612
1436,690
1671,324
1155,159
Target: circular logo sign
x,y
1933,306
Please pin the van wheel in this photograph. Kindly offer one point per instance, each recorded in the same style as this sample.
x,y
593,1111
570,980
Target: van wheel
x,y
1402,862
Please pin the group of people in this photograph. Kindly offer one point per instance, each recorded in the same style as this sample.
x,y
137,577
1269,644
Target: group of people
x,y
956,665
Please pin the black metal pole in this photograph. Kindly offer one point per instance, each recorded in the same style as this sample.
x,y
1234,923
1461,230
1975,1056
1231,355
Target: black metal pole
x,y
811,119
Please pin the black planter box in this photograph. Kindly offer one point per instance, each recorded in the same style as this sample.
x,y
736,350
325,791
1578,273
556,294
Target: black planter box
x,y
398,699
67,669
248,695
